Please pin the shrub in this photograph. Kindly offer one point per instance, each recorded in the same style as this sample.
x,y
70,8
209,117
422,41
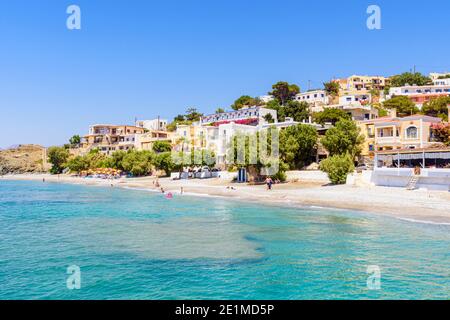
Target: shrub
x,y
57,156
338,167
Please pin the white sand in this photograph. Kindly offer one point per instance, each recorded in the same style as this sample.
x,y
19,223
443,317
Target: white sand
x,y
417,205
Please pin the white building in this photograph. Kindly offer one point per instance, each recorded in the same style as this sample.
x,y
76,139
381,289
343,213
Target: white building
x,y
155,124
442,82
355,99
266,98
316,97
410,90
250,116
436,75
219,138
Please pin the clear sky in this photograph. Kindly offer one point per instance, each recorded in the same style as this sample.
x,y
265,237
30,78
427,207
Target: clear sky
x,y
148,58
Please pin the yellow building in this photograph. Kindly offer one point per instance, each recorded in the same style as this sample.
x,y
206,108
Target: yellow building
x,y
394,133
355,84
110,138
146,140
193,135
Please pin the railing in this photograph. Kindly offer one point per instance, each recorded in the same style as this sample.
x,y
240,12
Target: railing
x,y
392,139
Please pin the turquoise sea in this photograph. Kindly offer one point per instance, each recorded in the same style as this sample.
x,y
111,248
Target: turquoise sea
x,y
132,244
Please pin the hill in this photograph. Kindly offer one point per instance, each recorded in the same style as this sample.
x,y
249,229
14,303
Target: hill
x,y
23,159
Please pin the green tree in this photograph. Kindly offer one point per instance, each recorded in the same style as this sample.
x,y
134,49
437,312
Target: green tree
x,y
116,159
344,138
138,163
163,161
269,118
78,164
245,101
258,160
220,110
75,141
161,146
193,115
296,110
403,105
332,88
338,167
298,145
57,156
331,115
284,92
437,107
409,78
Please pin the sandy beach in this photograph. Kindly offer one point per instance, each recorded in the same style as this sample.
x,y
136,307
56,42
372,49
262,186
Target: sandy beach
x,y
418,205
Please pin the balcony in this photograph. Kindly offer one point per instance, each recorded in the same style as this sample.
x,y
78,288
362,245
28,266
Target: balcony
x,y
387,140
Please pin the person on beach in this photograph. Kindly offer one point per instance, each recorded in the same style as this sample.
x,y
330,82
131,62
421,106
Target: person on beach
x,y
162,190
269,183
181,190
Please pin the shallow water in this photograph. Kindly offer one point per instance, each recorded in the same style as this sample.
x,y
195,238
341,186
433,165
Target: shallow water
x,y
138,245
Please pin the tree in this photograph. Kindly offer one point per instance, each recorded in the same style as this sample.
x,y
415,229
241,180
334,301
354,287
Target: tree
x,y
245,101
138,163
163,161
193,115
268,117
57,156
331,115
261,157
437,107
344,138
115,161
441,132
179,118
338,167
409,78
220,110
403,105
75,140
298,145
284,92
78,164
296,110
161,146
331,88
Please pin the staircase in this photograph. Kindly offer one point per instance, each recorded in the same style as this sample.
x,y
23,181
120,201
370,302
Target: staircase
x,y
412,183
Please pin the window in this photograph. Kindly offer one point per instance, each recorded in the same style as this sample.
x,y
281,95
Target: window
x,y
412,133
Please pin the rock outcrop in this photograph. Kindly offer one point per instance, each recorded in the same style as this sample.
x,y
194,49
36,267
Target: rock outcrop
x,y
23,159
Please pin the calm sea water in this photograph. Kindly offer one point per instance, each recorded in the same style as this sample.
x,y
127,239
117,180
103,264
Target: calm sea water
x,y
137,245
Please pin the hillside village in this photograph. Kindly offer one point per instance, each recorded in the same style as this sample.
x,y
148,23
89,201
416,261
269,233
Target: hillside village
x,y
367,122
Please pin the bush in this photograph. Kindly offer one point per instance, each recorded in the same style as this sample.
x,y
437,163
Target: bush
x,y
338,167
57,156
138,163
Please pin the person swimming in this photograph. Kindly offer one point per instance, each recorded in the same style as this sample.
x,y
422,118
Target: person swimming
x,y
169,195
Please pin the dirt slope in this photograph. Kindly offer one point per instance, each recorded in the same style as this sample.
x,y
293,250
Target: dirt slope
x,y
22,159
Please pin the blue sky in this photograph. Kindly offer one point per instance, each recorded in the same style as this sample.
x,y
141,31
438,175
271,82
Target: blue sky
x,y
148,58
